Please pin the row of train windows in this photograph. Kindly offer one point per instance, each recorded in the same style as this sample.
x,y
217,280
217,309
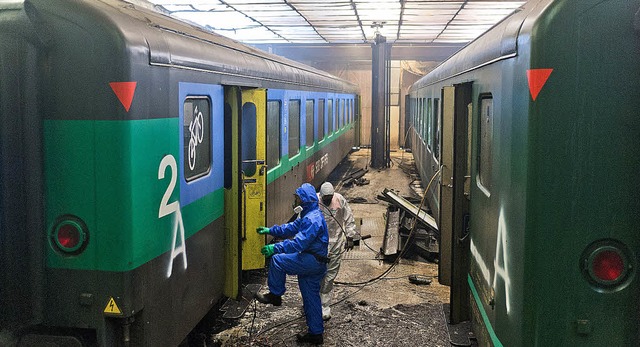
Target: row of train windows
x,y
344,114
426,116
197,119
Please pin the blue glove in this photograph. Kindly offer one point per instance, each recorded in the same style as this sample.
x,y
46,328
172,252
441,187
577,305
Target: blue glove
x,y
262,230
267,250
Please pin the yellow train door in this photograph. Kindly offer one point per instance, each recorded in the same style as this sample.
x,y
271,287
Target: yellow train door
x,y
232,196
254,175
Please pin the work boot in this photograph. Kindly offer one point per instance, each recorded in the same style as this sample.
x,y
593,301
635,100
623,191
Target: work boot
x,y
326,313
269,298
315,339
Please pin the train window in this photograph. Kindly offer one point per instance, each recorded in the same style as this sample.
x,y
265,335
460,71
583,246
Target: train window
x,y
249,131
309,120
429,126
273,133
338,113
423,118
350,111
337,120
486,138
347,117
346,112
436,128
420,117
341,113
330,115
414,107
197,137
417,113
320,119
294,127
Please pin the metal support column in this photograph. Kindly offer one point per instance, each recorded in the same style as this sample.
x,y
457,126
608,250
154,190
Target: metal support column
x,y
380,110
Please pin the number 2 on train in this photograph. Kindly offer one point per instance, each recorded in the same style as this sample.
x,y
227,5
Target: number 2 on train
x,y
167,208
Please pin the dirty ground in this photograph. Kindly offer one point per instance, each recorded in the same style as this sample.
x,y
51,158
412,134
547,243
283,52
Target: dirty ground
x,y
374,302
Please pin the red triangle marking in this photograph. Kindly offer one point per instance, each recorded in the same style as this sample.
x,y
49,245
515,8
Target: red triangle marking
x,y
537,78
124,91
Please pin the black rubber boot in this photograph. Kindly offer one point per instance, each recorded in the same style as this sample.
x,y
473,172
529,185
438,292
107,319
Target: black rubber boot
x,y
269,298
315,339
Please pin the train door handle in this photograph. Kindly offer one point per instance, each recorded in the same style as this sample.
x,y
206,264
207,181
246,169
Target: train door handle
x,y
254,161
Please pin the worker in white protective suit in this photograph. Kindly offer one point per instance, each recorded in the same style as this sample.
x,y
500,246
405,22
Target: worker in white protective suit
x,y
342,229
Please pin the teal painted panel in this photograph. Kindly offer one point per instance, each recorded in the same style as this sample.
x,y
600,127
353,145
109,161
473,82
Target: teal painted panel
x,y
107,174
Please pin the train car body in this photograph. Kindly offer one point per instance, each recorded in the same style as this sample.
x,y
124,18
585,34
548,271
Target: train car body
x,y
137,161
533,132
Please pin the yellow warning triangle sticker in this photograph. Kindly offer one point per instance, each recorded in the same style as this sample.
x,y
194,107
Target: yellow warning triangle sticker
x,y
112,308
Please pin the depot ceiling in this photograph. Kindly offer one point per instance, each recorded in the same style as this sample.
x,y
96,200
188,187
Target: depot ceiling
x,y
342,21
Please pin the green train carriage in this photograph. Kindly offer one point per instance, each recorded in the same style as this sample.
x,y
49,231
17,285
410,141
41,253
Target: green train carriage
x,y
532,130
135,169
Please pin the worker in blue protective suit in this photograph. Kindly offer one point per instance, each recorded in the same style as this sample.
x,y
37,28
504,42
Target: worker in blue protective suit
x,y
302,253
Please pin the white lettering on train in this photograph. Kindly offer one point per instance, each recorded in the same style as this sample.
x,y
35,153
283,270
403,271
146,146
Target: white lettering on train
x,y
167,208
500,263
502,269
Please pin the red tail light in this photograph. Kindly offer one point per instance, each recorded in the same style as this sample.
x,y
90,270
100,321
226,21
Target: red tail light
x,y
605,264
69,235
608,265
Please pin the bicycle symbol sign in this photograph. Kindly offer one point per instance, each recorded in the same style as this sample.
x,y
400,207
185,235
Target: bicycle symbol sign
x,y
197,134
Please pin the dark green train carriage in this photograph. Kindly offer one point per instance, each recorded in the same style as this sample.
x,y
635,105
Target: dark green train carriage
x,y
533,130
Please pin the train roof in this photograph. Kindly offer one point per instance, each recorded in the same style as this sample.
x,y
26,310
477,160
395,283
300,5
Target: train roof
x,y
497,43
176,44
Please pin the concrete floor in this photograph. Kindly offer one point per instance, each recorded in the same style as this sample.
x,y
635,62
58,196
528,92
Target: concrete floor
x,y
389,311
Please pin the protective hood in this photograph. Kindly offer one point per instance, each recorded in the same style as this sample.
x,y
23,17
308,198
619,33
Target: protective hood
x,y
307,194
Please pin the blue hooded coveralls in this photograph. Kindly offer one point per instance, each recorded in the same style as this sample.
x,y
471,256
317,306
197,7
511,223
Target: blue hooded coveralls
x,y
297,256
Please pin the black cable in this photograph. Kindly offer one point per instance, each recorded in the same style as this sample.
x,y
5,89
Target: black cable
x,y
372,250
348,296
278,325
405,276
289,321
365,283
321,204
255,309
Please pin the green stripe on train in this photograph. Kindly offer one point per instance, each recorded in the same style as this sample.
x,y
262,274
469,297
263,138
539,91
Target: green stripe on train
x,y
285,164
494,338
106,173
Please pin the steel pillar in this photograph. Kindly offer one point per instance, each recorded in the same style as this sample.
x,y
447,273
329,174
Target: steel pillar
x,y
380,111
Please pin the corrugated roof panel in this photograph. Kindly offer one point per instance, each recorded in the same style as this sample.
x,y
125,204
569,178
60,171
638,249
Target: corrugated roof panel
x,y
217,20
494,4
257,2
325,20
184,2
257,33
263,8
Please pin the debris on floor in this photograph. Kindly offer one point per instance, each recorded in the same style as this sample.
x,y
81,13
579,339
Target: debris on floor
x,y
376,301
